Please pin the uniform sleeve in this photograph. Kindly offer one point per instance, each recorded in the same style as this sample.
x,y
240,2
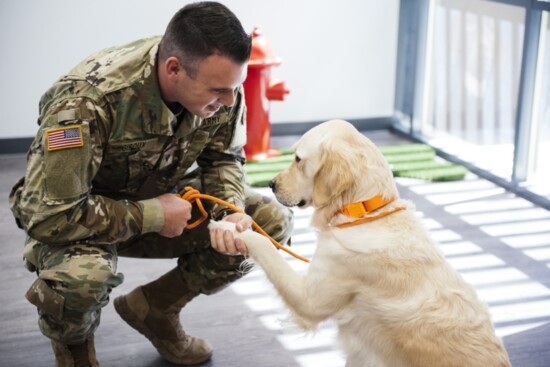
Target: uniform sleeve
x,y
222,160
54,203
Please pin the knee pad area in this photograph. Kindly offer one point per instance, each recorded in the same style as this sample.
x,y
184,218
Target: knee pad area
x,y
83,287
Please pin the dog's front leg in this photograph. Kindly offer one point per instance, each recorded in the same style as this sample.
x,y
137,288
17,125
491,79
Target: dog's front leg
x,y
311,300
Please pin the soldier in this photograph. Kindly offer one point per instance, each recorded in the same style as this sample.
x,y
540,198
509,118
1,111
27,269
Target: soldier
x,y
118,136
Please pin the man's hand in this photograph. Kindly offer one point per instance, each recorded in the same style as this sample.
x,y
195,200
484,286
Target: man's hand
x,y
223,241
176,214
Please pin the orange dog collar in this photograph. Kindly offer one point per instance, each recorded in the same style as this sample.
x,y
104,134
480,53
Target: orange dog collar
x,y
359,209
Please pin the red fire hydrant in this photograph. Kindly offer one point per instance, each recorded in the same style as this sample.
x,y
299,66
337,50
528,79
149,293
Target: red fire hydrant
x,y
259,89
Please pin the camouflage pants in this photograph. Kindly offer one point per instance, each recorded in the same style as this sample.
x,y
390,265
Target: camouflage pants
x,y
74,281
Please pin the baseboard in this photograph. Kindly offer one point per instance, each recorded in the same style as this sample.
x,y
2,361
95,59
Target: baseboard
x,y
15,145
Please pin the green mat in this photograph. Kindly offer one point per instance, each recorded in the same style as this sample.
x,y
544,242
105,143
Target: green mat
x,y
406,160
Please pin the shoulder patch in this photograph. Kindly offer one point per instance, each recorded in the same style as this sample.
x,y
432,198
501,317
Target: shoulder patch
x,y
64,138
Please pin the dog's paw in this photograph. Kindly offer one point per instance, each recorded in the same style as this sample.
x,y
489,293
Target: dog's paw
x,y
254,241
245,235
222,224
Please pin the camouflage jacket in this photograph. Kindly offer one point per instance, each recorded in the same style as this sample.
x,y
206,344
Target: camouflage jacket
x,y
107,145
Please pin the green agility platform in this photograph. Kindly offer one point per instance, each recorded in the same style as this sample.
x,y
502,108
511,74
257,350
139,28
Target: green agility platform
x,y
406,160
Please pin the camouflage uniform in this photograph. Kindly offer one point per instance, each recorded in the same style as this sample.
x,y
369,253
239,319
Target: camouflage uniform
x,y
87,200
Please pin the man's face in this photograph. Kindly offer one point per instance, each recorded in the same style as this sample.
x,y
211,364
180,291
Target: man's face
x,y
214,85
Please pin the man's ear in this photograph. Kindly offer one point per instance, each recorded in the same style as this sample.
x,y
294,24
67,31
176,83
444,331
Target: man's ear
x,y
173,67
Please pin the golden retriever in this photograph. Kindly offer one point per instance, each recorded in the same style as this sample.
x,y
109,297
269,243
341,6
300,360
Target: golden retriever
x,y
396,301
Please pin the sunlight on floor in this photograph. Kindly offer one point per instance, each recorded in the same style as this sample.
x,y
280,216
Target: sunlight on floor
x,y
516,302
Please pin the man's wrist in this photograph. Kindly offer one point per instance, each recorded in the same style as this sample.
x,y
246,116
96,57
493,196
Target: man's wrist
x,y
153,215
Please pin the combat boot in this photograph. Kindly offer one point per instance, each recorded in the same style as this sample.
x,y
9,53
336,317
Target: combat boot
x,y
77,355
153,310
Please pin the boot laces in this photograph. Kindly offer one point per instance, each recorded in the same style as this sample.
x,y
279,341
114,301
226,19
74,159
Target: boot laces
x,y
174,320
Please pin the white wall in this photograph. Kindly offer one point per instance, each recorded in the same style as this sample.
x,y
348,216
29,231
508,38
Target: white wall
x,y
338,56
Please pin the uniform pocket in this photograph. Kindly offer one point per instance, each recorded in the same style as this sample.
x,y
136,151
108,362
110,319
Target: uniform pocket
x,y
146,163
46,299
126,164
193,147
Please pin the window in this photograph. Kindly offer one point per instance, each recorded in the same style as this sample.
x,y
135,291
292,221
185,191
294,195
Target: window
x,y
473,81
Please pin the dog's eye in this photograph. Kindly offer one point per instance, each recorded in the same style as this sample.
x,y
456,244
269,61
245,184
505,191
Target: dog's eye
x,y
297,159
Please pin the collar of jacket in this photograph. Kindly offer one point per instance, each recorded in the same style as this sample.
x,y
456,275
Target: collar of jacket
x,y
157,117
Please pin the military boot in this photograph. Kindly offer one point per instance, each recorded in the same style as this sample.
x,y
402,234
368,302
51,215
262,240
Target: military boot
x,y
153,310
77,355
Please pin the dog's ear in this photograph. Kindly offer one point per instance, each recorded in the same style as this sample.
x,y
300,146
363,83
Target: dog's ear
x,y
336,173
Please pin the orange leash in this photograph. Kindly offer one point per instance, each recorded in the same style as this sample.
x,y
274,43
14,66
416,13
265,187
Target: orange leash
x,y
194,196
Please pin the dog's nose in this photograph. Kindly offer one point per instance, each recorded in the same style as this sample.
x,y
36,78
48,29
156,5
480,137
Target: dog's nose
x,y
272,185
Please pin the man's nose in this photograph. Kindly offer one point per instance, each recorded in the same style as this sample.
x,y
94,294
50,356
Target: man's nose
x,y
228,98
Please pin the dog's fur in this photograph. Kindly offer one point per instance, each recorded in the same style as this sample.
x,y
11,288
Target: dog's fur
x,y
396,300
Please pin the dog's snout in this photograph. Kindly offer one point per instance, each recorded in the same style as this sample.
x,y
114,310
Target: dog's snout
x,y
272,185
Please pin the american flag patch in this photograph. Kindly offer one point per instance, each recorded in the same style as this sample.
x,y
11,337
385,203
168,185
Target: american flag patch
x,y
68,137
